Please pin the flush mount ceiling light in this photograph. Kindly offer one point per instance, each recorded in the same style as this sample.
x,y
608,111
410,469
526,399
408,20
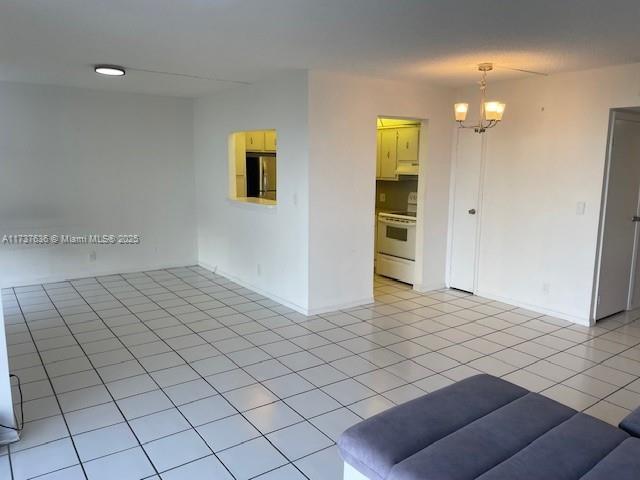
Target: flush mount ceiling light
x,y
110,70
490,112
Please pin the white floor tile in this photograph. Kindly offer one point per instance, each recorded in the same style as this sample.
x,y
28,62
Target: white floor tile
x,y
43,459
158,425
177,449
208,467
128,465
263,458
104,441
227,432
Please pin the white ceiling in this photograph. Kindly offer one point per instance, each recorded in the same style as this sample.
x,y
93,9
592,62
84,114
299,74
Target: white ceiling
x,y
57,41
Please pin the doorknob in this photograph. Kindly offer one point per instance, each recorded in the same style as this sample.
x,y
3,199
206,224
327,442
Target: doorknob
x,y
473,212
635,218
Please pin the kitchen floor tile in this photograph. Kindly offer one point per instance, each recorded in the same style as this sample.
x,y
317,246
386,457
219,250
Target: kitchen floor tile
x,y
348,391
144,404
40,432
43,459
177,449
332,424
158,425
253,396
189,391
299,440
263,458
322,465
272,416
127,465
128,387
104,441
227,432
206,410
92,418
208,467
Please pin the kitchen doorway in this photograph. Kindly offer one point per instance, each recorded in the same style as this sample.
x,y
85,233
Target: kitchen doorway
x,y
398,158
617,286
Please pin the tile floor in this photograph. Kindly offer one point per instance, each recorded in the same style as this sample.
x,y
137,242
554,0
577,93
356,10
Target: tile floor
x,y
182,374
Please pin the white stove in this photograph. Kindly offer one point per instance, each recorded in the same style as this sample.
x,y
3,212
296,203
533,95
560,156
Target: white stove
x,y
396,243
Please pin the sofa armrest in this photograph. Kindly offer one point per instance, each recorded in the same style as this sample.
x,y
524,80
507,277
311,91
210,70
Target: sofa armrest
x,y
631,423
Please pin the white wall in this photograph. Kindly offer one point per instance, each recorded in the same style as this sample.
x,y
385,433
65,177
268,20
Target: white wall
x,y
342,128
81,161
233,237
547,155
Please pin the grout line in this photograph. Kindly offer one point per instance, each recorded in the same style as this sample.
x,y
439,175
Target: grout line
x,y
73,443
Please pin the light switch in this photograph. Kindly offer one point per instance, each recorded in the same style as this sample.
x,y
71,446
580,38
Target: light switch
x,y
580,208
383,197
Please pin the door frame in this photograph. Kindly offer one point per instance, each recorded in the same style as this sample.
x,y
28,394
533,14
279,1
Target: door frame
x,y
614,113
418,280
479,207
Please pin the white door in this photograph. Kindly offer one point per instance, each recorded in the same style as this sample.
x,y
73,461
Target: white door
x,y
465,210
618,259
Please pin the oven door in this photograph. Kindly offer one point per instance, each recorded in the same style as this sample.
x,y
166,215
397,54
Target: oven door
x,y
397,237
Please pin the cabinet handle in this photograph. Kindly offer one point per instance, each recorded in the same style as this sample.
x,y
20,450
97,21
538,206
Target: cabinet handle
x,y
407,145
388,153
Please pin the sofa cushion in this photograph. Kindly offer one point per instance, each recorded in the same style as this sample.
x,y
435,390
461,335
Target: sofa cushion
x,y
623,463
486,442
566,452
631,423
377,444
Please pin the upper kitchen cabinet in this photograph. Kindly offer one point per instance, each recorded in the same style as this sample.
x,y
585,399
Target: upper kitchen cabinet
x,y
255,141
408,144
398,148
378,166
270,140
387,154
408,141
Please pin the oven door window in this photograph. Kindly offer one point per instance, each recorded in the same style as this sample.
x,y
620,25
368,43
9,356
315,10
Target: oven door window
x,y
396,233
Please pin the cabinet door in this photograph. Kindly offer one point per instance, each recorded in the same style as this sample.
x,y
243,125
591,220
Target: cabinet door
x,y
388,154
408,143
270,141
378,166
255,141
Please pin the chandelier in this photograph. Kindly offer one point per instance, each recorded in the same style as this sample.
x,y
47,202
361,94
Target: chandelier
x,y
490,112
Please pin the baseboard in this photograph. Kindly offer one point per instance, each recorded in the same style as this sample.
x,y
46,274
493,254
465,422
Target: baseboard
x,y
341,306
429,287
260,291
536,308
283,301
98,273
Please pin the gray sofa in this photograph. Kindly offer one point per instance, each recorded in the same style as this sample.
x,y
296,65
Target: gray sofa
x,y
486,428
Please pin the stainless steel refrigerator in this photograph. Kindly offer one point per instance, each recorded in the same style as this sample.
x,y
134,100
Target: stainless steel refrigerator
x,y
261,175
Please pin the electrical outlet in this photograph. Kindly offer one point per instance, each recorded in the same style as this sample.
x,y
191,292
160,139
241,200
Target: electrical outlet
x,y
383,197
546,288
92,256
580,208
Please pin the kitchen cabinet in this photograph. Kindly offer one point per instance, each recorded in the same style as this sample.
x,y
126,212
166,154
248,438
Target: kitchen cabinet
x,y
387,154
408,147
255,141
408,142
270,141
379,138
